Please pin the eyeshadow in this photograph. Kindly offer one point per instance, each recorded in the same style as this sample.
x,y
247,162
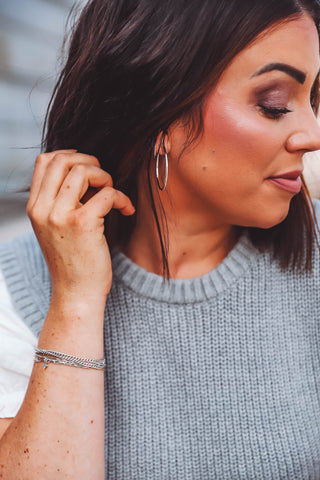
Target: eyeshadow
x,y
276,95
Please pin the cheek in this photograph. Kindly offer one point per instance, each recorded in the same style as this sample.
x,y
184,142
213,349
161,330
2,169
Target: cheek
x,y
240,136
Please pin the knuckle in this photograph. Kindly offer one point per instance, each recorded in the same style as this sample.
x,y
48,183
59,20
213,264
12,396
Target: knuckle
x,y
108,189
29,209
30,214
41,159
55,219
94,160
105,176
108,192
35,214
79,169
121,195
109,178
60,158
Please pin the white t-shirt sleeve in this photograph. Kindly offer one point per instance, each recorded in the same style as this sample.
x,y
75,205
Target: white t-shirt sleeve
x,y
17,344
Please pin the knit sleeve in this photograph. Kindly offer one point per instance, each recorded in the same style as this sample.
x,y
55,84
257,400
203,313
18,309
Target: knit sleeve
x,y
17,344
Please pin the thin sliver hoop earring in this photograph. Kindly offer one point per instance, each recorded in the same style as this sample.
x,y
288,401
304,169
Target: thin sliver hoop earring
x,y
166,170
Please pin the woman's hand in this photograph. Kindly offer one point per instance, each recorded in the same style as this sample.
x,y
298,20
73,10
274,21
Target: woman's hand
x,y
63,409
70,233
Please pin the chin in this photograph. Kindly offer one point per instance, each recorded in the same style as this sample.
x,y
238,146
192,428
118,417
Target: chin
x,y
270,219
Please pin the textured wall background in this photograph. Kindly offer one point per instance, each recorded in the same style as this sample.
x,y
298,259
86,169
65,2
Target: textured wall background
x,y
31,33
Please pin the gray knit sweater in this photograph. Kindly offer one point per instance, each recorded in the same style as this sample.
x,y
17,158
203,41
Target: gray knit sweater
x,y
216,377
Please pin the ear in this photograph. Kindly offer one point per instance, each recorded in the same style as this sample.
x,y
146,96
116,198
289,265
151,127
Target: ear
x,y
162,144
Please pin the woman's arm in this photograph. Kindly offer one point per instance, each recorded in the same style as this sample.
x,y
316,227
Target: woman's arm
x,y
59,429
4,424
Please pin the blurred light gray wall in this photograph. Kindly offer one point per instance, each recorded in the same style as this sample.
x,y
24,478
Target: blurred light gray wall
x,y
31,34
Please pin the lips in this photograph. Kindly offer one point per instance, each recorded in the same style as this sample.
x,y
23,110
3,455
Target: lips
x,y
289,181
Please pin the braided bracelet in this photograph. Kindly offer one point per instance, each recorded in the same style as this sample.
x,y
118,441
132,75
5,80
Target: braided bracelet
x,y
50,356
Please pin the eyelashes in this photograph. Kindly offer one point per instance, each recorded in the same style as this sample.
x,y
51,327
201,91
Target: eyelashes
x,y
272,101
314,96
273,113
265,106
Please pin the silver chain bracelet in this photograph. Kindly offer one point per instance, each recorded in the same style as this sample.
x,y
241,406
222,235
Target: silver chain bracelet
x,y
50,356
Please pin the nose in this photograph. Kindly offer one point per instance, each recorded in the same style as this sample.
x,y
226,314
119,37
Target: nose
x,y
306,137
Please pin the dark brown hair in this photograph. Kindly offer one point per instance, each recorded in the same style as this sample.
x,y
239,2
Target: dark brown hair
x,y
134,67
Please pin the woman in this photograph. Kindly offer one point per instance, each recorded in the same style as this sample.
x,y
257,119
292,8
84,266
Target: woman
x,y
198,113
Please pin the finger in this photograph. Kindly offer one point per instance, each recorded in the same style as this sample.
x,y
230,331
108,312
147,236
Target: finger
x,y
106,199
89,193
77,182
57,171
40,167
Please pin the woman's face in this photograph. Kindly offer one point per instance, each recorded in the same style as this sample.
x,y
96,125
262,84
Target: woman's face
x,y
258,123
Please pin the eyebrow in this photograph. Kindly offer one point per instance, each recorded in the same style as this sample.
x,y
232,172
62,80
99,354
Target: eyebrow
x,y
298,75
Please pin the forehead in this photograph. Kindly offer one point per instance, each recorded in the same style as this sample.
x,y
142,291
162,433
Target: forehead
x,y
294,42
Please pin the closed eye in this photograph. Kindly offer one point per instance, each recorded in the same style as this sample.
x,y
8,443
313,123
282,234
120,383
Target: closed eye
x,y
273,113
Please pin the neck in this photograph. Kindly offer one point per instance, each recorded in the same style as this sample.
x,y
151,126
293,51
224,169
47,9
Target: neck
x,y
195,247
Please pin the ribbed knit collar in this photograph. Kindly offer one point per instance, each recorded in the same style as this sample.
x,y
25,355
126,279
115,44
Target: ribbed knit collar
x,y
197,289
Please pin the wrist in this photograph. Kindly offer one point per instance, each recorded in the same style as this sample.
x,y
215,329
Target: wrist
x,y
78,306
64,292
74,330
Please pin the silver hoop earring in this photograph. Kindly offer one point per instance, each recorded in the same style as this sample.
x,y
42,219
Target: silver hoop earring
x,y
166,171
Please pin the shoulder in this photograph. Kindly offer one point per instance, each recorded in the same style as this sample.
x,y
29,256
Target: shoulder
x,y
22,262
27,279
24,248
